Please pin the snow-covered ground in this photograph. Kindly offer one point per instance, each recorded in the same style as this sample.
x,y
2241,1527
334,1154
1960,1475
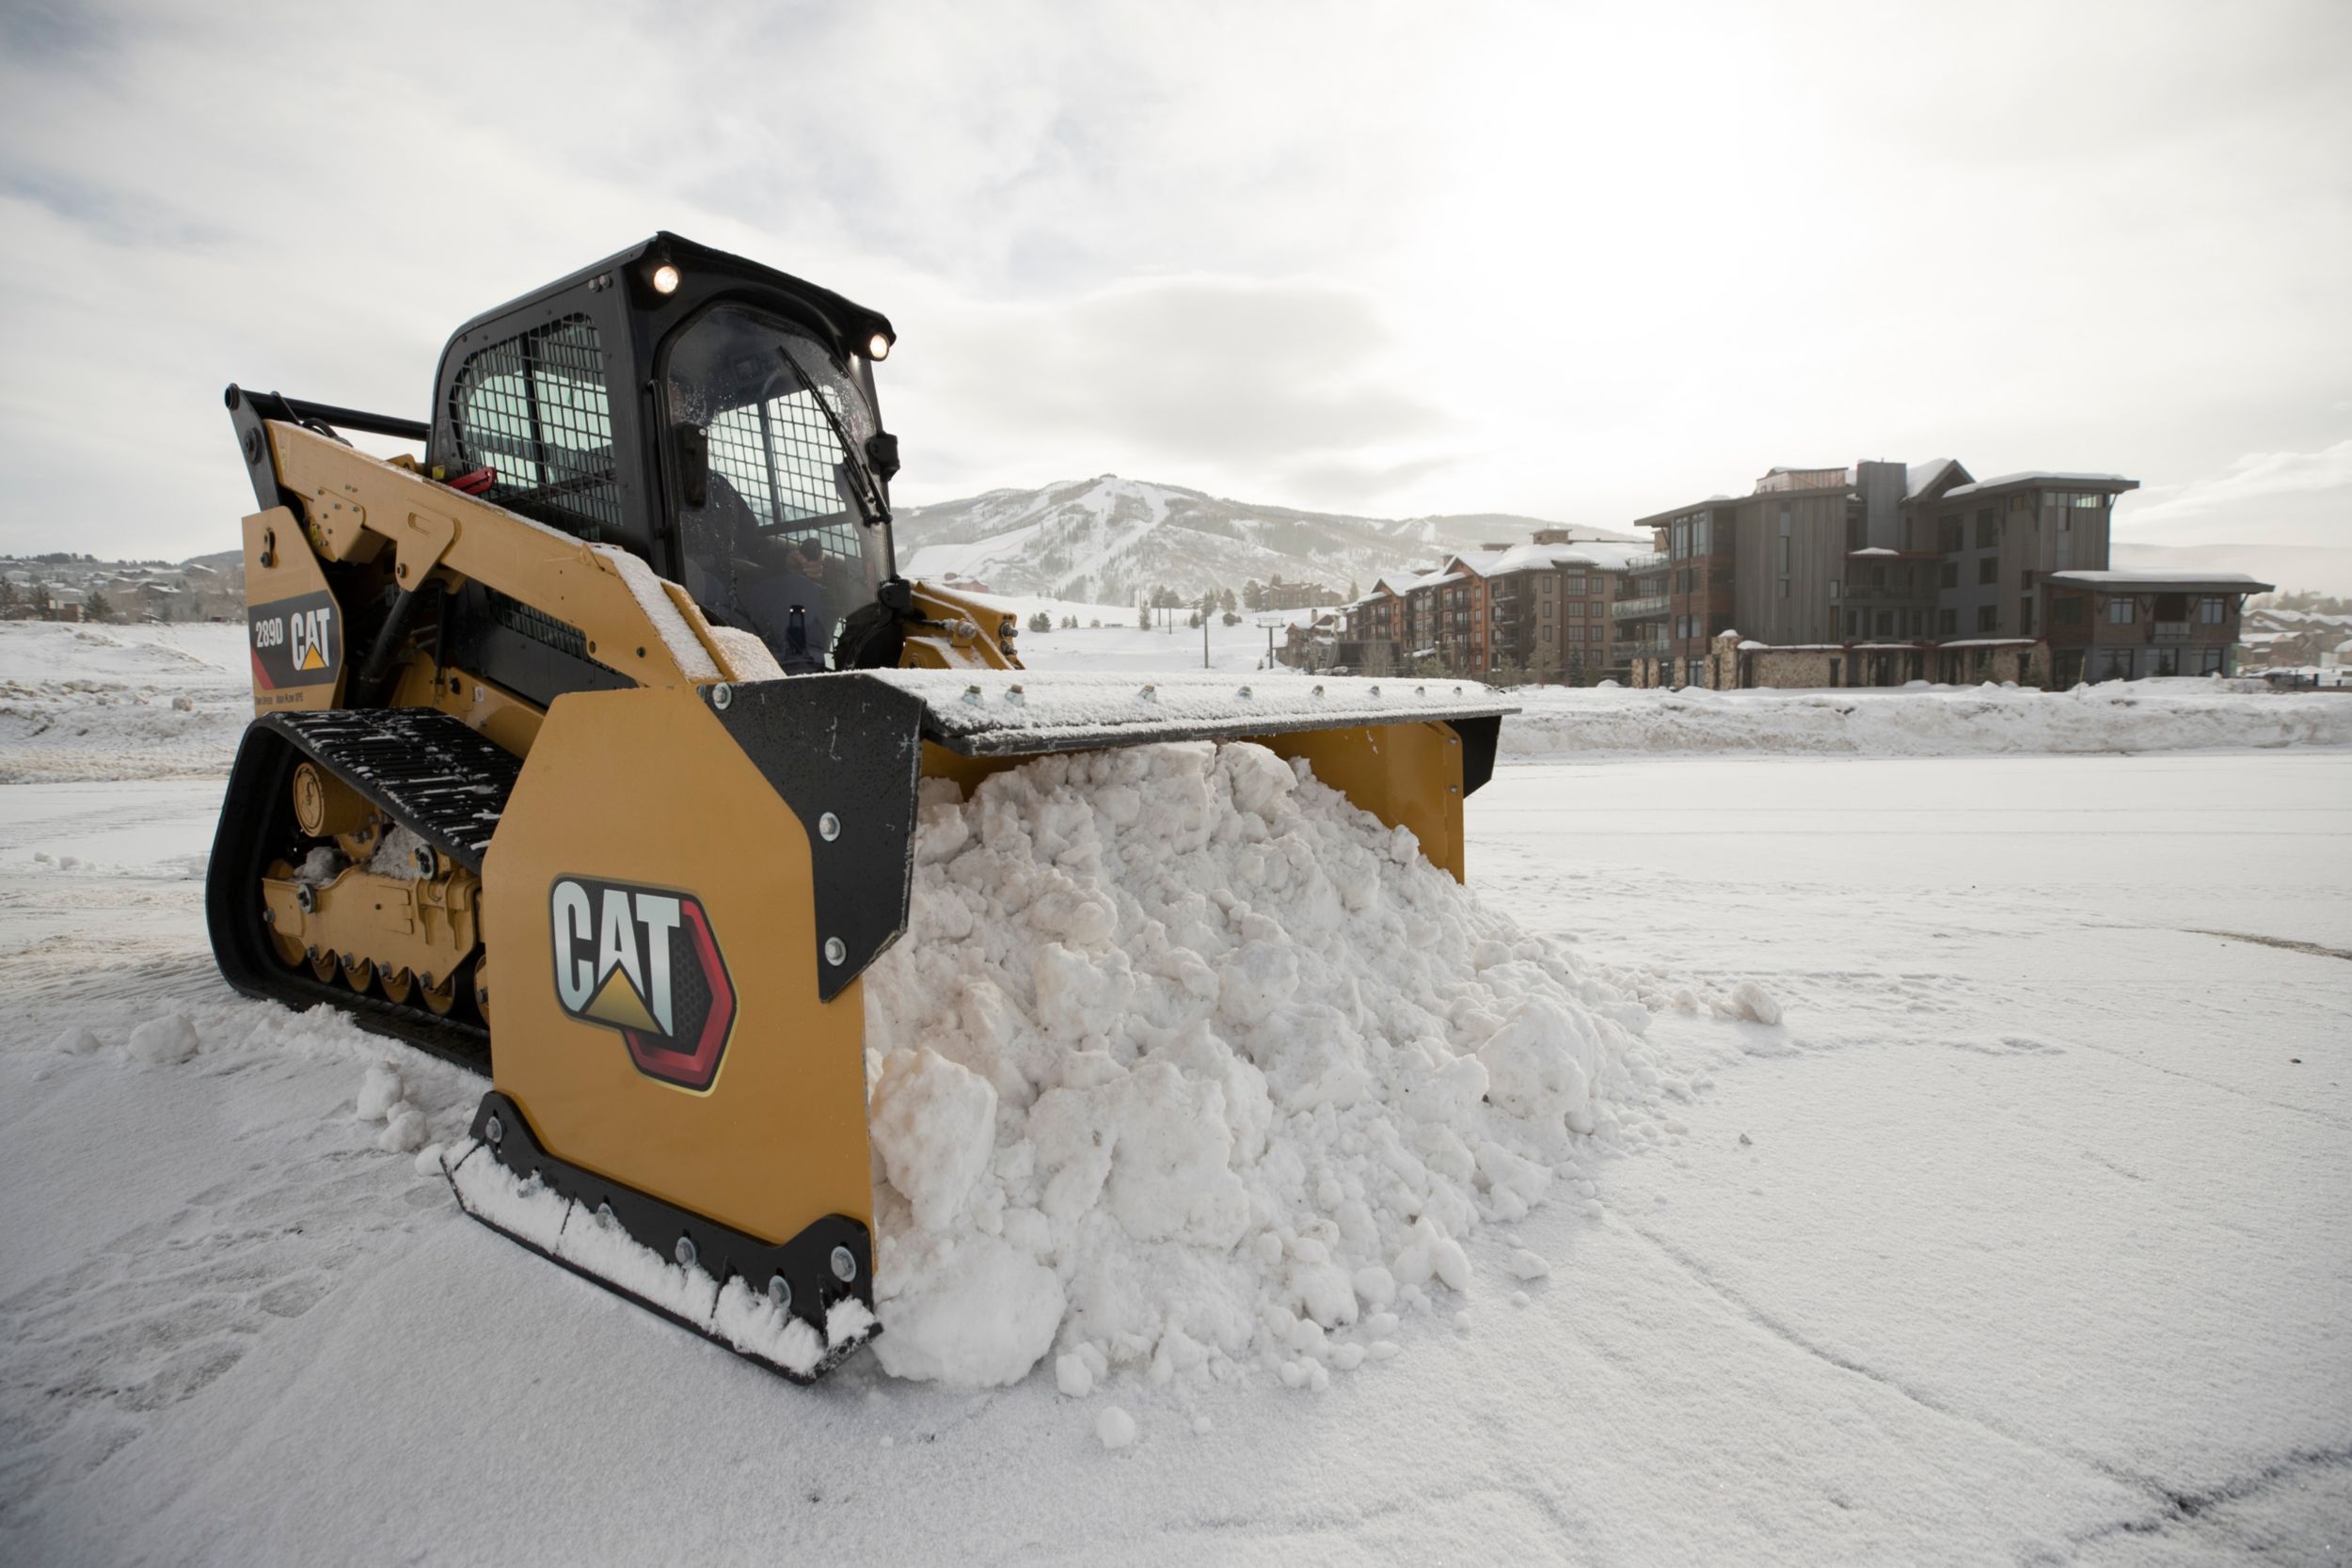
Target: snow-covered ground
x,y
2026,1235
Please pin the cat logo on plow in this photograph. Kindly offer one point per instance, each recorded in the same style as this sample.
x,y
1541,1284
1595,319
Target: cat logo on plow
x,y
643,961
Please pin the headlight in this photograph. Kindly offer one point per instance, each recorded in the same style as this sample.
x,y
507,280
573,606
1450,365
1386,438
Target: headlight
x,y
665,280
878,348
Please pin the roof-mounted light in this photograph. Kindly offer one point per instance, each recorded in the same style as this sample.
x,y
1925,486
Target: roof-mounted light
x,y
878,348
665,280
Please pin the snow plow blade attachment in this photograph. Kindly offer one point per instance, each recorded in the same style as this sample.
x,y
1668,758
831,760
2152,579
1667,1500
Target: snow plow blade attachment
x,y
691,882
1405,750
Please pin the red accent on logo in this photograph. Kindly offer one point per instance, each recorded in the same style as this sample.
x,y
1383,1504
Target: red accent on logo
x,y
261,676
692,1069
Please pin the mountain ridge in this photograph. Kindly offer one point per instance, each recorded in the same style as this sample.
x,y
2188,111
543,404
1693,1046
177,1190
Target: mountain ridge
x,y
1108,539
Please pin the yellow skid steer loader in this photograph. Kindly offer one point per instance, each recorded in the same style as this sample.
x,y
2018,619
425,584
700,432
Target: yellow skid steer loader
x,y
621,686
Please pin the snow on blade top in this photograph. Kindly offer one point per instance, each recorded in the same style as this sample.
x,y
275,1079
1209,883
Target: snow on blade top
x,y
999,713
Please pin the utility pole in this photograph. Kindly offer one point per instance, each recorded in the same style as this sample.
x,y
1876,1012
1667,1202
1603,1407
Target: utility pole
x,y
1204,639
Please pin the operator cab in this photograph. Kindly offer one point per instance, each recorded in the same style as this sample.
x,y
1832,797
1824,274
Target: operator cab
x,y
712,416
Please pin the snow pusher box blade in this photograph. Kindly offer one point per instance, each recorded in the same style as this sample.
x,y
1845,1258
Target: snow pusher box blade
x,y
711,870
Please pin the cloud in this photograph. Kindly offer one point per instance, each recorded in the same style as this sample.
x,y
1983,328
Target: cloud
x,y
1220,380
2277,497
1579,262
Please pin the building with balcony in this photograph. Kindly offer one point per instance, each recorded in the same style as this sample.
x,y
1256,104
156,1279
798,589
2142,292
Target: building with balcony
x,y
1888,572
1539,611
2125,626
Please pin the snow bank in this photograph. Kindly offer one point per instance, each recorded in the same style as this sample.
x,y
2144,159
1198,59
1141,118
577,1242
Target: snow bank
x,y
101,702
1186,1065
1923,720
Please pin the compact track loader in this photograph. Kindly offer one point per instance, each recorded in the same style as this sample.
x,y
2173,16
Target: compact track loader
x,y
620,686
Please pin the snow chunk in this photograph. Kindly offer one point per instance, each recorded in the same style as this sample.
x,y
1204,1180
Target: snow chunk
x,y
934,1125
380,1091
1754,1002
981,1319
164,1040
1115,1427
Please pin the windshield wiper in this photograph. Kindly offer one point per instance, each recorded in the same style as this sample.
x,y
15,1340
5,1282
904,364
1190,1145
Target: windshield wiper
x,y
869,490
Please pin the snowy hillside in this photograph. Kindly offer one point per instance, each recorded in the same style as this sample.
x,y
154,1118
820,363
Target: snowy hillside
x,y
1107,538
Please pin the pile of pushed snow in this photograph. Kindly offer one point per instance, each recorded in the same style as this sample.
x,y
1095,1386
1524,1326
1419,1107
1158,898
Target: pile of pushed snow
x,y
1923,720
1185,1064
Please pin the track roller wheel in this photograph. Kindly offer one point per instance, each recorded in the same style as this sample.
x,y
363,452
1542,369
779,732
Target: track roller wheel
x,y
324,965
438,999
481,987
398,984
359,973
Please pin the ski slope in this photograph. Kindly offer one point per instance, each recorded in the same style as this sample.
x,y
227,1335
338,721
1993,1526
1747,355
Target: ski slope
x,y
2022,1235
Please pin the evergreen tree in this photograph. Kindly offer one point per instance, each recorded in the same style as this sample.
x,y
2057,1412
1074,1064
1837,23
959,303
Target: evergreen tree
x,y
1041,622
96,607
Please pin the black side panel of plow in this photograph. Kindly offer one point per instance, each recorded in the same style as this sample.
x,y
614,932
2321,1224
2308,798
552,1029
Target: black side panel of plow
x,y
1479,738
852,747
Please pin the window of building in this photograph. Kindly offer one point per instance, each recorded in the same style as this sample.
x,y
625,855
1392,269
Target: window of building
x,y
1948,535
1833,587
2166,663
2024,579
2089,501
1547,611
2025,617
1948,574
2067,611
1784,522
1947,623
1700,529
1574,583
1576,610
2212,612
1989,569
2022,502
2119,612
1853,624
1681,534
1987,530
1883,624
1784,553
2209,662
1988,617
1784,588
1547,634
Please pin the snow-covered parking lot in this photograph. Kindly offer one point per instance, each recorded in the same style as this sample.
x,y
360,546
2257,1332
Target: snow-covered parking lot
x,y
2024,1236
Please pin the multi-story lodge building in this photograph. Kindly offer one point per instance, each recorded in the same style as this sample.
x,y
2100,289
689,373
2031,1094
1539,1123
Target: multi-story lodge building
x,y
1887,571
1539,611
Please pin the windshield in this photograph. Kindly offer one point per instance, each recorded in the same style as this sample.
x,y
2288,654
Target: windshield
x,y
773,538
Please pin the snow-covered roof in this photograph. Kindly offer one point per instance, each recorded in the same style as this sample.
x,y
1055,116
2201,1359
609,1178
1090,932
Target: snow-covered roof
x,y
2235,582
1604,556
2042,476
1874,549
1920,477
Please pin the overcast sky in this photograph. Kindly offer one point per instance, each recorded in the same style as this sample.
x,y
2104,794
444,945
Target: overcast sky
x,y
1583,262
